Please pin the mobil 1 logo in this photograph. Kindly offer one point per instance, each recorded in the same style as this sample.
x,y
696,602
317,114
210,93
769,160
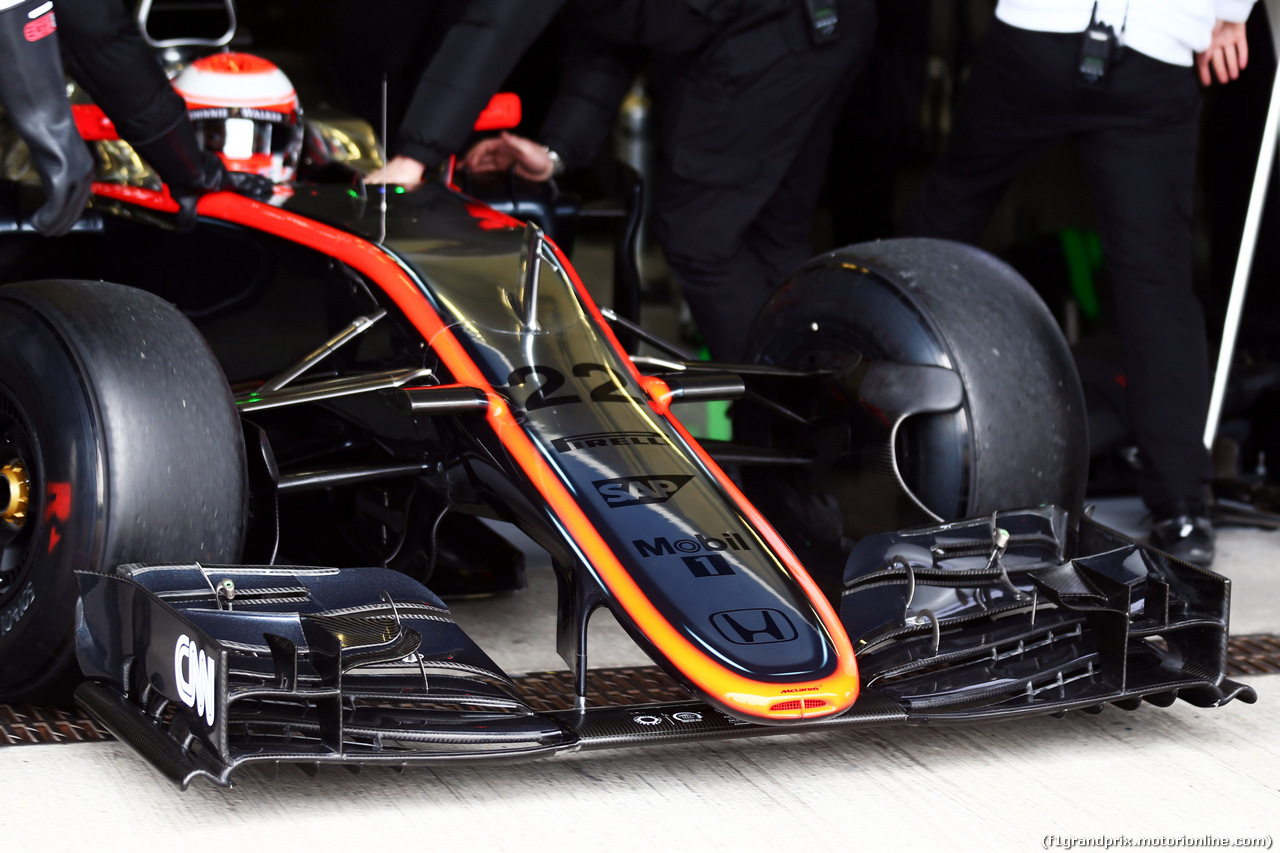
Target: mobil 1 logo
x,y
701,554
634,491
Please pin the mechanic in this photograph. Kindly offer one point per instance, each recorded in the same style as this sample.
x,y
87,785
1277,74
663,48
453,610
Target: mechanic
x,y
1116,76
362,43
109,58
751,89
474,56
34,95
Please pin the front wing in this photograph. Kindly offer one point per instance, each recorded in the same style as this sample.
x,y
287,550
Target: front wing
x,y
203,669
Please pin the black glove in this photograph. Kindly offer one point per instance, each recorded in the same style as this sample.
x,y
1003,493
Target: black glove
x,y
216,177
191,172
34,94
256,187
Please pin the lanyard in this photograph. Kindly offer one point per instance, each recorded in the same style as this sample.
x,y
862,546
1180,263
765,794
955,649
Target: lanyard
x,y
1124,24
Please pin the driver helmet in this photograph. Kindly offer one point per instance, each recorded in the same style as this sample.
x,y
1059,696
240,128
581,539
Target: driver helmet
x,y
246,111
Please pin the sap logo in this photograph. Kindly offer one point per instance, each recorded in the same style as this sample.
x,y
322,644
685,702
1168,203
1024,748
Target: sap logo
x,y
633,491
595,440
754,627
700,542
195,674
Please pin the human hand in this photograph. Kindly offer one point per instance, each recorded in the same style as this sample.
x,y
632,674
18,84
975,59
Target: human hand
x,y
502,152
210,176
256,187
399,170
1227,54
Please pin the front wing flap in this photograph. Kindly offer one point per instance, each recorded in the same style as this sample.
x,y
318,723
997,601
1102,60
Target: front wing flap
x,y
204,669
1025,613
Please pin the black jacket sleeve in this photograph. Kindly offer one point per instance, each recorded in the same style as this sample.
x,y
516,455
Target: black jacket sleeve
x,y
108,57
608,41
593,79
476,56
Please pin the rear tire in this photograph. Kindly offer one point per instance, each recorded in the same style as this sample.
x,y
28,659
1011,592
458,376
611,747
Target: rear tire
x,y
1019,438
127,448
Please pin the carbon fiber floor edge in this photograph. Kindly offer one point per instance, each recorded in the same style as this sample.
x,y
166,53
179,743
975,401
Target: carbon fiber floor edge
x,y
1253,654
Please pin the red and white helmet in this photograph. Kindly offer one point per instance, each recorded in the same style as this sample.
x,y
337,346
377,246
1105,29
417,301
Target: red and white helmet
x,y
244,109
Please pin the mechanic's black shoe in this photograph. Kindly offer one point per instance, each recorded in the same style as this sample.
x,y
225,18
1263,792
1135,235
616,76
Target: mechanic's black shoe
x,y
1186,533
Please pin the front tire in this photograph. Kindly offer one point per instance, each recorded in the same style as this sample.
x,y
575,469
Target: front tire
x,y
1018,439
119,443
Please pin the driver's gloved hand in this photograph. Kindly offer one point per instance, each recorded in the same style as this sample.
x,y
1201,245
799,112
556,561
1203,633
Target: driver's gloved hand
x,y
191,172
248,184
215,177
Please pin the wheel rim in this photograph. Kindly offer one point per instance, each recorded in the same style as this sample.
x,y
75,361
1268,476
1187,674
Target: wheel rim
x,y
18,490
15,491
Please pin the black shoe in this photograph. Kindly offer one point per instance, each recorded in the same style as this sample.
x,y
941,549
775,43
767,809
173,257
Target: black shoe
x,y
1186,534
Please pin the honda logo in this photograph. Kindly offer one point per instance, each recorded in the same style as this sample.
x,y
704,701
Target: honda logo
x,y
754,627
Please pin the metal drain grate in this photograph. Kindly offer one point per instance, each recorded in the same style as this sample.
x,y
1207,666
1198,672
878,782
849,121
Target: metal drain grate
x,y
1256,654
553,691
28,724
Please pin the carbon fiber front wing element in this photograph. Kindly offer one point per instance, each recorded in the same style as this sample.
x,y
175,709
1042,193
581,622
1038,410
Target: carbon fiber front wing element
x,y
203,669
1027,613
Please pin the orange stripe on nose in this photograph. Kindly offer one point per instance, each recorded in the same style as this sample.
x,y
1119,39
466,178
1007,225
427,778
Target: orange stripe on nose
x,y
763,701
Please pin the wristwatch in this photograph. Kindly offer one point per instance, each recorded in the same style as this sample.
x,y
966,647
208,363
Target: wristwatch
x,y
557,164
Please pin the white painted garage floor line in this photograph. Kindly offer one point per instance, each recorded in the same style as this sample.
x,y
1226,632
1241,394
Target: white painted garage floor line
x,y
1180,773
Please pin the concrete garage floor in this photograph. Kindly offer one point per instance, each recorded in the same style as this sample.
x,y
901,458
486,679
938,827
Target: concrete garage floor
x,y
1173,772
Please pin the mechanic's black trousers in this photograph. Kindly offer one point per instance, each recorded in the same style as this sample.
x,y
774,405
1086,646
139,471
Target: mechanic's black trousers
x,y
1137,138
745,138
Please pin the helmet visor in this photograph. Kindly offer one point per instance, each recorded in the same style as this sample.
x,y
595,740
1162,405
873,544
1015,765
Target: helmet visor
x,y
242,133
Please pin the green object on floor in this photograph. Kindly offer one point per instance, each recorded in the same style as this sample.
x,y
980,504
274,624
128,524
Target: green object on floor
x,y
719,426
708,420
1083,252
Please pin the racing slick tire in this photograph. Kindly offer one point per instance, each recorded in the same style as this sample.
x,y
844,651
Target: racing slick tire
x,y
1019,437
119,443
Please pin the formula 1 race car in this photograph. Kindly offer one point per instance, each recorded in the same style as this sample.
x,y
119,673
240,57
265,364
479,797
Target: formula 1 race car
x,y
237,460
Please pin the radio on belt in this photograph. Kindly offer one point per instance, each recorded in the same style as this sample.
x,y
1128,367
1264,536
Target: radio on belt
x,y
823,20
1100,47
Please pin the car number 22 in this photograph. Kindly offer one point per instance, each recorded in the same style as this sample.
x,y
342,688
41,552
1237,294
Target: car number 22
x,y
546,382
